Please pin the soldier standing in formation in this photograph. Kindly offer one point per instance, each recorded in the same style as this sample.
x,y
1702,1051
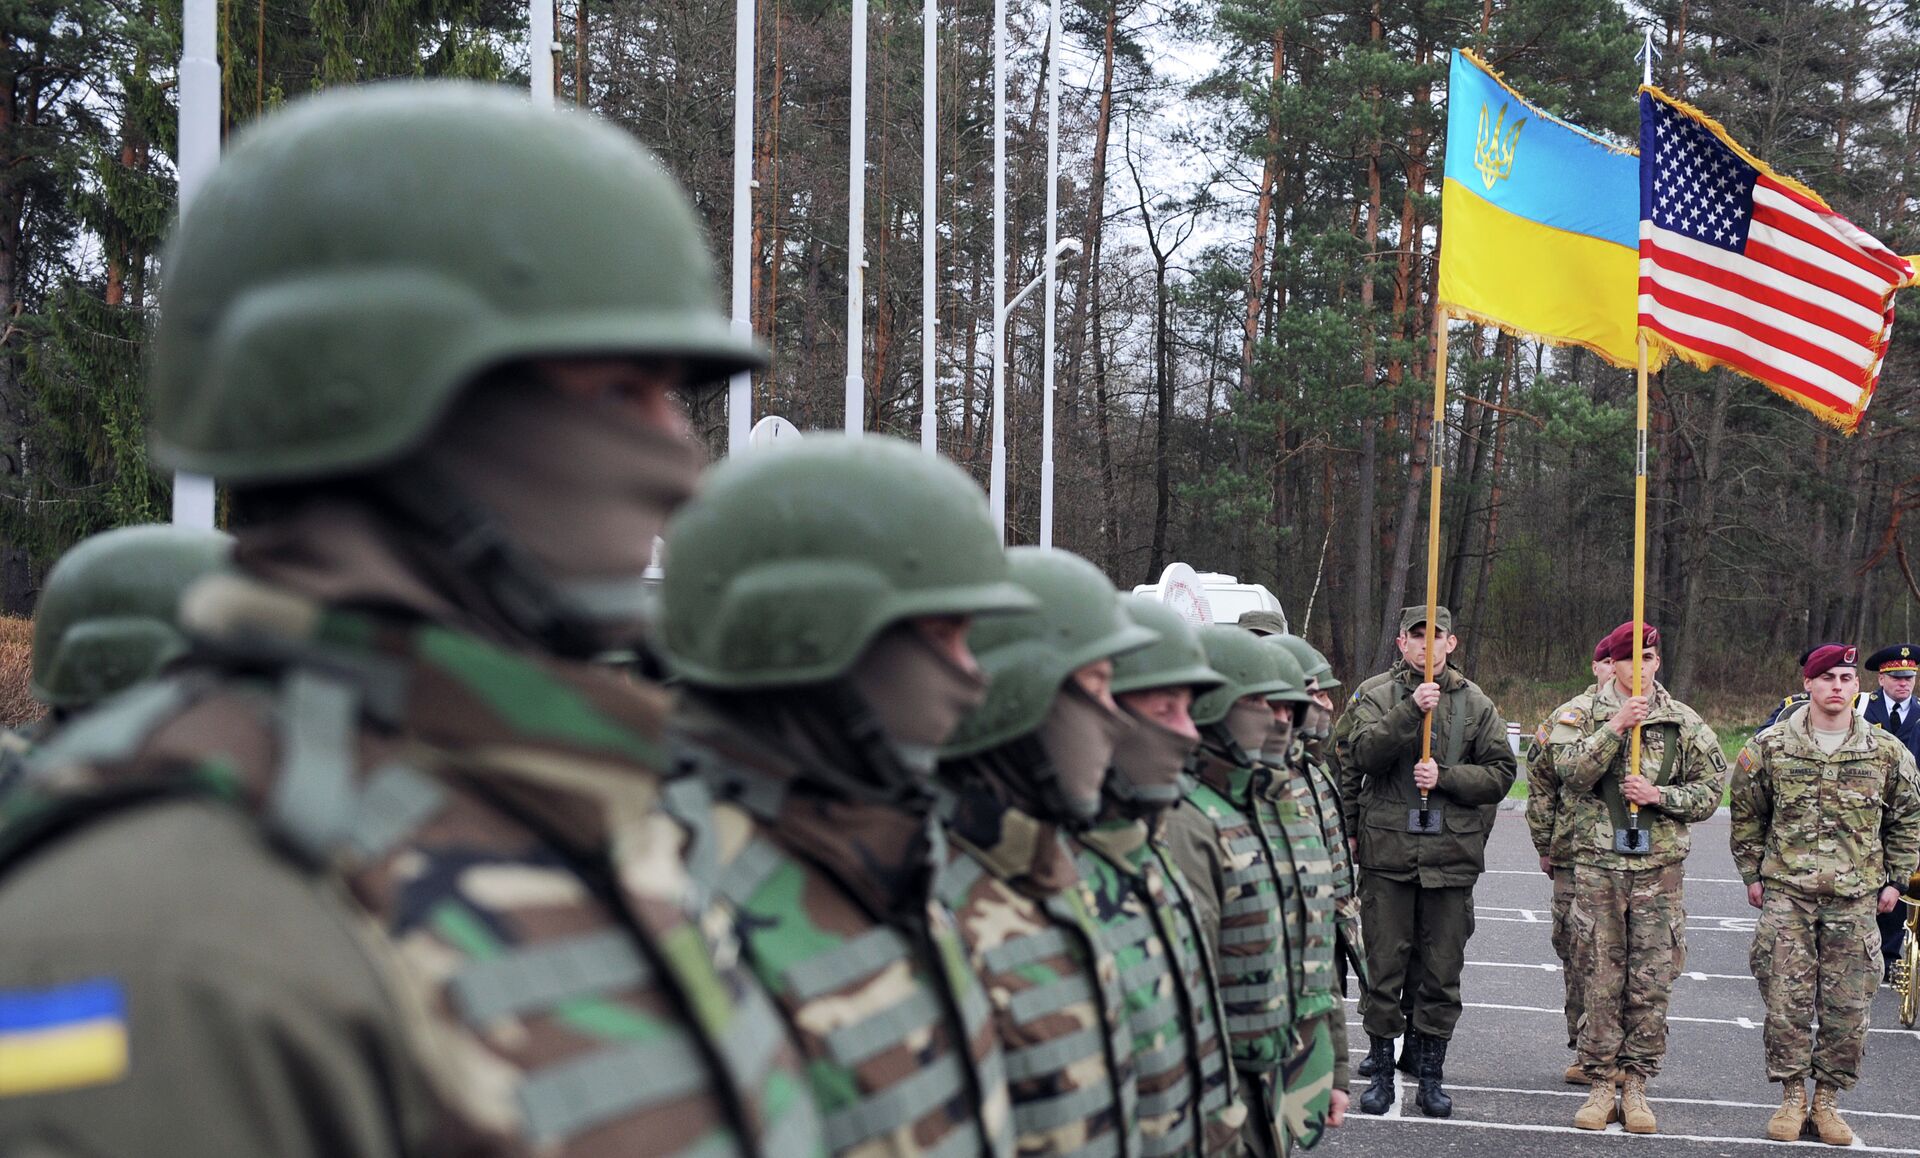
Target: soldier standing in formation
x,y
1029,766
817,613
1424,823
1213,838
452,915
1547,824
1189,1100
1826,827
1628,839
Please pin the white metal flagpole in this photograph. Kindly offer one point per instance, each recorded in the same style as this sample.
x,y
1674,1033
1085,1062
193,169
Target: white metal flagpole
x,y
856,226
929,209
1052,292
540,51
997,473
199,153
740,386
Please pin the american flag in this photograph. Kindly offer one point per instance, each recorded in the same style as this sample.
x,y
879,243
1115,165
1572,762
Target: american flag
x,y
1742,268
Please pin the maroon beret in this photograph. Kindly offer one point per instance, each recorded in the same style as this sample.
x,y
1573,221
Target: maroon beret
x,y
1829,655
1619,641
1603,651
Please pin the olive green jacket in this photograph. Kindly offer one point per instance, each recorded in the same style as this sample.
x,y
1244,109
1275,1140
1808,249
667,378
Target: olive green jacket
x,y
1477,769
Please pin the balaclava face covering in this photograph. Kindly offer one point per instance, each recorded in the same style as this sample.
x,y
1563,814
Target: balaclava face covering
x,y
1278,745
1148,766
1319,723
581,485
1248,723
917,695
1078,736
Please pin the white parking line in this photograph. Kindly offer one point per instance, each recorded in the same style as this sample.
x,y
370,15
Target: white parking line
x,y
1618,1132
1768,1106
1696,923
1741,1022
1554,967
1690,880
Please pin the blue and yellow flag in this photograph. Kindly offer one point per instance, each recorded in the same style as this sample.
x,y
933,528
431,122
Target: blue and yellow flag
x,y
62,1038
1539,221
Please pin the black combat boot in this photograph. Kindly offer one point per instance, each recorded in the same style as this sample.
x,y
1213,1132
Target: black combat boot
x,y
1365,1068
1432,1100
1409,1063
1380,1089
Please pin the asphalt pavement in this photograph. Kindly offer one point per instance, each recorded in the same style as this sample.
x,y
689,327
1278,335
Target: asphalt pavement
x,y
1505,1066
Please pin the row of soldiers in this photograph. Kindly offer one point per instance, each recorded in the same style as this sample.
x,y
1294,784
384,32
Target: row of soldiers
x,y
931,848
1825,813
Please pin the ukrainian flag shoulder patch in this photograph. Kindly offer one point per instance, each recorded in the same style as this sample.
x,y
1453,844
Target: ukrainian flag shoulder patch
x,y
63,1038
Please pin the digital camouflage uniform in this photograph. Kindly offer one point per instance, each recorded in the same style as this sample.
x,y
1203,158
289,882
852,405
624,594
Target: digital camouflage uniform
x,y
1417,889
1628,916
382,868
1824,834
1547,825
831,855
1350,937
1027,916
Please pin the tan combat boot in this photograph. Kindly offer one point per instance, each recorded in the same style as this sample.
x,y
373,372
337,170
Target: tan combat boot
x,y
1786,1122
1832,1128
1600,1108
1634,1110
1576,1076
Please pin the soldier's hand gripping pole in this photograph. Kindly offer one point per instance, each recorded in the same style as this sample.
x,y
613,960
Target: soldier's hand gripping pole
x,y
1633,839
1424,819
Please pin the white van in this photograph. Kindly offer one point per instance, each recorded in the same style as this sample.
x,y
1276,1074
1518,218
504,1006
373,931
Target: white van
x,y
1227,598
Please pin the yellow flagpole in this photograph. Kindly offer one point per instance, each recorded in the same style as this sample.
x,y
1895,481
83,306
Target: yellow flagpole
x,y
1639,558
1434,459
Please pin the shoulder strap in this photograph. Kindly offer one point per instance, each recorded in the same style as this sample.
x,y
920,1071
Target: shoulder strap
x,y
1667,756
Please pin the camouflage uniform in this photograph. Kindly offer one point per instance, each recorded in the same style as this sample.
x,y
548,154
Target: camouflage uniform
x,y
1824,834
382,869
1546,824
838,915
1188,1101
1286,816
1350,938
1628,915
1029,920
1214,842
477,860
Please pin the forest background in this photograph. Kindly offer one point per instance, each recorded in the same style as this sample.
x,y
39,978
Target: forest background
x,y
1245,351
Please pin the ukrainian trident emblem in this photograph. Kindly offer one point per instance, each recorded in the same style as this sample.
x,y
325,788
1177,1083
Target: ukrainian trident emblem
x,y
1493,152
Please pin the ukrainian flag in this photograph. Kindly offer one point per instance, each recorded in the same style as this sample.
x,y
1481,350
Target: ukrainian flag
x,y
1539,221
62,1038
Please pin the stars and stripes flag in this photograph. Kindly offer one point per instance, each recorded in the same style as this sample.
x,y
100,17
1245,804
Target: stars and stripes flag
x,y
1744,268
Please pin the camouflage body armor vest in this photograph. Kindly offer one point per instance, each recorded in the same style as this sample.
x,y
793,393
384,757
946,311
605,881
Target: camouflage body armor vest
x,y
895,1027
1286,813
1187,1100
1055,991
496,822
1253,979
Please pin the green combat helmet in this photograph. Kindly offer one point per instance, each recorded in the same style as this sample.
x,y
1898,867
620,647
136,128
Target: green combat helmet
x,y
376,252
107,618
1251,668
1310,660
773,583
359,262
1028,657
1175,660
1296,680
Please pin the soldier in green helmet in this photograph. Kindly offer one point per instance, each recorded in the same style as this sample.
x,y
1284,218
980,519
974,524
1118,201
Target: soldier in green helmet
x,y
380,869
108,619
1027,769
1216,839
1189,1103
1298,813
816,610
